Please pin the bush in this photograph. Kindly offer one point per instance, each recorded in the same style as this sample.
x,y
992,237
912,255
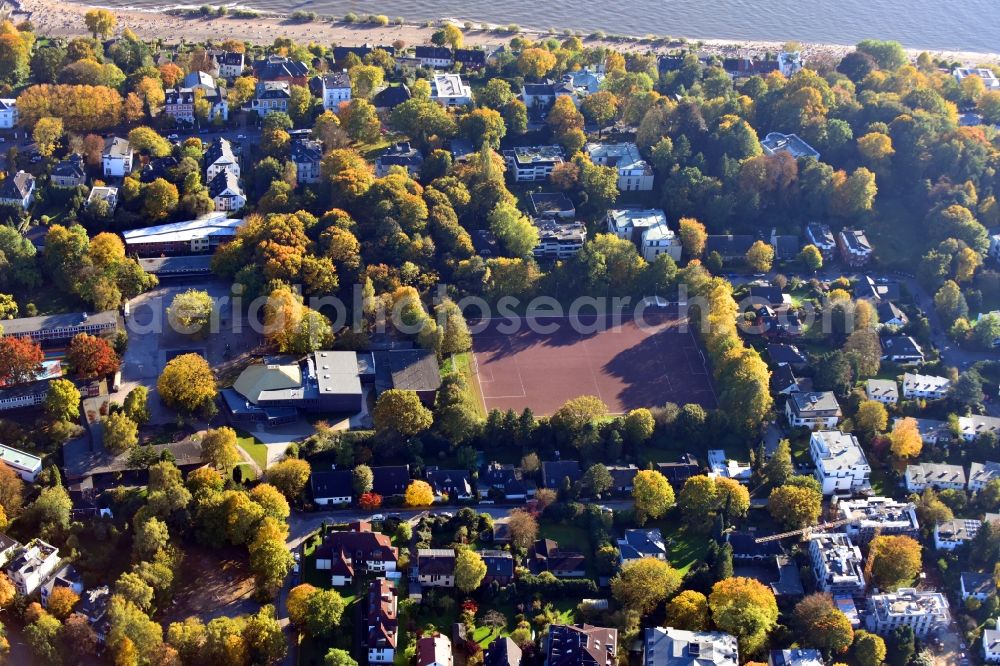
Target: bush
x,y
350,17
546,583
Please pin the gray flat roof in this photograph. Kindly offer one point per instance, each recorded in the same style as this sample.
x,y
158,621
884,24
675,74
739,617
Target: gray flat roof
x,y
26,325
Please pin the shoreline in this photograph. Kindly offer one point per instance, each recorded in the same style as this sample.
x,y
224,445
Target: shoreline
x,y
60,18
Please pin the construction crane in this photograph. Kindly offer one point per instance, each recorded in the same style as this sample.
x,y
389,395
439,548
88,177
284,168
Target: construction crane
x,y
806,531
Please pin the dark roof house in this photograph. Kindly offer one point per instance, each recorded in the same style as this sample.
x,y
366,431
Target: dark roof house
x,y
390,480
555,471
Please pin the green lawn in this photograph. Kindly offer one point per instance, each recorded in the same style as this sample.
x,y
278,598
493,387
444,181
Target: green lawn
x,y
462,363
685,549
253,447
570,537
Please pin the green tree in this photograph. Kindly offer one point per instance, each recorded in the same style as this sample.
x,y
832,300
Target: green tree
x,y
641,585
516,233
779,468
597,480
289,476
160,198
652,494
401,412
219,448
191,311
950,303
136,405
795,507
869,649
484,127
362,479
62,402
745,608
871,418
811,258
337,657
121,434
469,570
323,612
151,536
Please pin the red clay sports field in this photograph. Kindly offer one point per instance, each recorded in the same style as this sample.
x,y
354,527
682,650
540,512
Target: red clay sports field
x,y
627,366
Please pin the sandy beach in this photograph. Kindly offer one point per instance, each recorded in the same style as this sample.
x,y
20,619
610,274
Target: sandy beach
x,y
56,18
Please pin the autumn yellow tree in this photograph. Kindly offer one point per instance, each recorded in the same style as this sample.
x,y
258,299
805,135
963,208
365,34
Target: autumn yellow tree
x,y
871,417
893,561
689,611
47,133
100,22
652,494
419,493
535,62
760,256
643,584
693,237
745,608
187,384
905,438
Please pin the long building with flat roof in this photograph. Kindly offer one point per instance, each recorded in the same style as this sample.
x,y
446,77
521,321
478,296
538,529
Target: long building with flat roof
x,y
61,326
25,464
199,236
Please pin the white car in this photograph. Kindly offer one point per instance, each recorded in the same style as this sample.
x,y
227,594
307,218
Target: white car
x,y
241,136
377,516
173,137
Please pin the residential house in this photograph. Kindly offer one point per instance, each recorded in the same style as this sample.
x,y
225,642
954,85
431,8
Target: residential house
x,y
982,473
94,607
159,167
499,567
854,247
558,240
637,544
502,651
335,486
934,475
281,69
436,567
399,154
876,290
538,96
786,246
546,555
360,548
270,96
340,53
230,64
931,431
390,480
721,466
450,484
502,480
382,621
307,155
622,478
18,190
923,611
117,157
8,113
926,387
795,657
580,645
871,516
584,82
901,349
226,192
390,97
841,466
975,425
951,534
634,173
66,577
552,204
449,90
837,564
819,234
789,63
994,249
768,295
333,88
739,68
815,410
679,472
179,103
987,76
890,316
528,164
31,567
219,157
784,381
991,644
8,549
435,57
201,236
554,472
434,650
785,354
885,391
69,172
730,247
470,59
647,229
776,142
977,585
666,646
26,465
109,195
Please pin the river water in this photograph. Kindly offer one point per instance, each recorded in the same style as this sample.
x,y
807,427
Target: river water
x,y
959,25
